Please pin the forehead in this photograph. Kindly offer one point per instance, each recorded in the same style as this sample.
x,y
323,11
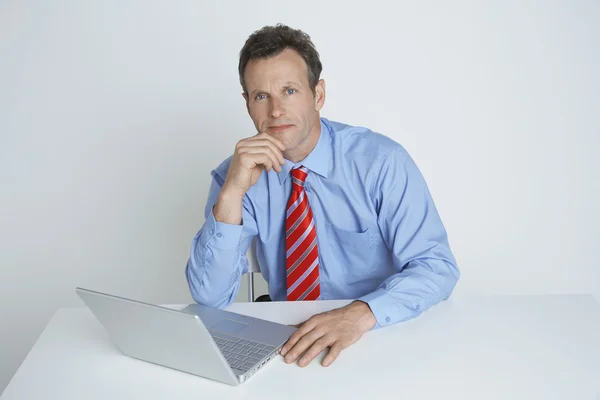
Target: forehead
x,y
288,66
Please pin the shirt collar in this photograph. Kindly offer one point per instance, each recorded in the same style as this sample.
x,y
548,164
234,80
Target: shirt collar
x,y
317,160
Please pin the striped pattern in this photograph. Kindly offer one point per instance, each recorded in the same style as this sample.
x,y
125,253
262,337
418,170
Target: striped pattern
x,y
302,253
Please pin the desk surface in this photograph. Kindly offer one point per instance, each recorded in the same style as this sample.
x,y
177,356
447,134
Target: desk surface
x,y
492,347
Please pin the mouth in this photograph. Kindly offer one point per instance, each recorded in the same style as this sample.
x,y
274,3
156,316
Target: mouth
x,y
279,128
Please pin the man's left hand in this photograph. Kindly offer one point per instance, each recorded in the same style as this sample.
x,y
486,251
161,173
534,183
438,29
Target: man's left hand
x,y
337,329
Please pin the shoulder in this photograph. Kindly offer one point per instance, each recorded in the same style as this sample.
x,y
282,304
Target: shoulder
x,y
361,143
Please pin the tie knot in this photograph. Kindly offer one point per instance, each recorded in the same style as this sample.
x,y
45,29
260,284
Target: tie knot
x,y
298,177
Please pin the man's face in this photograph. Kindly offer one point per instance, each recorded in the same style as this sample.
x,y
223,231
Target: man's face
x,y
281,102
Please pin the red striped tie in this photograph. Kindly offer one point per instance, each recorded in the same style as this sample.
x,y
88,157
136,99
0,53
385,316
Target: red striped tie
x,y
302,253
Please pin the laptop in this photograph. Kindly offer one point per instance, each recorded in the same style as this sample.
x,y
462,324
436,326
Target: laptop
x,y
204,341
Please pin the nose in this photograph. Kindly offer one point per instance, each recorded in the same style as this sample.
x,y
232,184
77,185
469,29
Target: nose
x,y
277,110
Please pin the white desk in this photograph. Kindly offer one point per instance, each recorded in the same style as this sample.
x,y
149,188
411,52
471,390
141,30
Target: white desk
x,y
496,347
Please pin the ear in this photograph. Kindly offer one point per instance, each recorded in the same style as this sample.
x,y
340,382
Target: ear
x,y
319,95
245,96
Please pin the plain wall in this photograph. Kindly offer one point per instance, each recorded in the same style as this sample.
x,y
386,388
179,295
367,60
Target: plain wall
x,y
113,113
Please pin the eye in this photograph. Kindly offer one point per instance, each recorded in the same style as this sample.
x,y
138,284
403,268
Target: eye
x,y
261,96
291,91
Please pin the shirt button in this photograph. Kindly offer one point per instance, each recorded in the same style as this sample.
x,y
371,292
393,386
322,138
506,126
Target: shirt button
x,y
219,235
210,232
387,319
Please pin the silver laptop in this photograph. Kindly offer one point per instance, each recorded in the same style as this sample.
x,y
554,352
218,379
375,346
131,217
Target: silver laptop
x,y
204,341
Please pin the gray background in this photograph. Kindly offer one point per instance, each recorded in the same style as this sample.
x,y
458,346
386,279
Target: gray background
x,y
113,113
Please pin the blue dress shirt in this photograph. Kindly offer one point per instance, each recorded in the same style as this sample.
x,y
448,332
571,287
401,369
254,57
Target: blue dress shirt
x,y
380,237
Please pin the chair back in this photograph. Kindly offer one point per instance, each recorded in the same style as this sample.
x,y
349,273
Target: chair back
x,y
253,268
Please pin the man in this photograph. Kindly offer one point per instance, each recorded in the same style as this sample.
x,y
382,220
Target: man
x,y
339,212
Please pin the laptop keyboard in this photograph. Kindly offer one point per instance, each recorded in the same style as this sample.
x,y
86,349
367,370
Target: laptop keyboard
x,y
241,354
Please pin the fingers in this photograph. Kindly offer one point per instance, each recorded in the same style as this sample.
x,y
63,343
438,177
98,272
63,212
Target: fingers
x,y
274,155
302,345
314,336
252,156
316,349
270,138
334,352
262,143
303,329
250,161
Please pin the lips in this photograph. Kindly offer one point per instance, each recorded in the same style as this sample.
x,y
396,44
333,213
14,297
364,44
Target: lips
x,y
279,128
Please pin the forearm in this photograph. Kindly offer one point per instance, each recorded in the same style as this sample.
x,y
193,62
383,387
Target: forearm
x,y
407,294
214,267
217,257
228,208
362,315
413,231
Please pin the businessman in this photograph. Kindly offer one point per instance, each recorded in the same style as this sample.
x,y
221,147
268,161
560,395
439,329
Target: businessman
x,y
339,212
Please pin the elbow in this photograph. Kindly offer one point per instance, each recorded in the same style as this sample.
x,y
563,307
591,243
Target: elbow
x,y
201,292
194,281
200,297
452,276
194,276
207,298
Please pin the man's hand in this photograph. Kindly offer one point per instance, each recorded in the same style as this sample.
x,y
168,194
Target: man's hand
x,y
252,156
337,329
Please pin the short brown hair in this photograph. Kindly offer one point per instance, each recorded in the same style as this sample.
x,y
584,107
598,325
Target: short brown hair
x,y
271,41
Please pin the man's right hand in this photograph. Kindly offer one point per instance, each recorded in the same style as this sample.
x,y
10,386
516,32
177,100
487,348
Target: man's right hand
x,y
252,155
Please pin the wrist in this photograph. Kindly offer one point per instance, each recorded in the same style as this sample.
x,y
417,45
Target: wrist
x,y
229,194
228,208
364,316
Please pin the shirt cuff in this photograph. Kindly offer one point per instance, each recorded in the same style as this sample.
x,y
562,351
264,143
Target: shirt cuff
x,y
220,235
386,309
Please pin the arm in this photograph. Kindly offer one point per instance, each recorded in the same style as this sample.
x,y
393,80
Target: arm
x,y
218,255
427,272
412,229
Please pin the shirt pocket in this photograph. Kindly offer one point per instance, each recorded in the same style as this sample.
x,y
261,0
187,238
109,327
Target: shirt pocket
x,y
351,250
